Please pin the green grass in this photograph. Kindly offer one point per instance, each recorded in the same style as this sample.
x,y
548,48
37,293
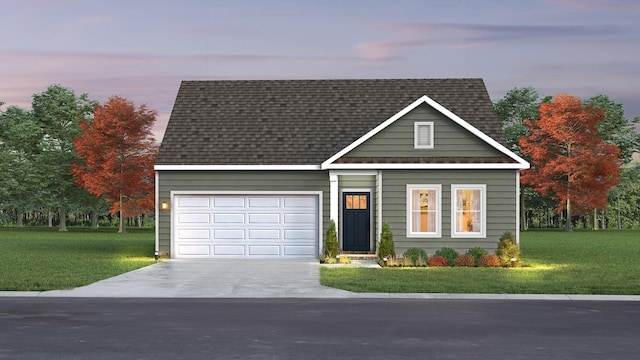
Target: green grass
x,y
38,259
555,262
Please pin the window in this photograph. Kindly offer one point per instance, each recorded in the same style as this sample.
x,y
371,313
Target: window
x,y
423,135
423,210
468,210
355,202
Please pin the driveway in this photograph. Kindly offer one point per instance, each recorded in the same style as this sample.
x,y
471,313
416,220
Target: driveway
x,y
213,278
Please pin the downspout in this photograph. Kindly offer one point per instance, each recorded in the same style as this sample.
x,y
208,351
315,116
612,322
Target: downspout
x,y
157,220
518,208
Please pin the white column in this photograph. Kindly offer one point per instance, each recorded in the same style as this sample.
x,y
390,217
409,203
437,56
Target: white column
x,y
333,198
518,208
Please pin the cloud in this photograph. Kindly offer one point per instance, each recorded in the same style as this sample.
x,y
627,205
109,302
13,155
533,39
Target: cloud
x,y
415,36
597,5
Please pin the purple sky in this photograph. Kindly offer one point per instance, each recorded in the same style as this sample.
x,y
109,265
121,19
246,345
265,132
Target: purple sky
x,y
142,49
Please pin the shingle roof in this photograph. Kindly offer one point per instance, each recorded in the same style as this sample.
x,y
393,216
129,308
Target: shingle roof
x,y
301,122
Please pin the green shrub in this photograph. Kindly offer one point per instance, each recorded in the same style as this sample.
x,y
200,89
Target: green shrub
x,y
331,247
449,253
489,260
344,260
477,253
438,261
387,247
416,256
508,250
465,261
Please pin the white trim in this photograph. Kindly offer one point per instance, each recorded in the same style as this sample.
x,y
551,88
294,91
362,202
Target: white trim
x,y
334,199
444,166
235,167
357,190
416,140
248,193
157,210
518,208
379,209
483,211
438,232
353,172
521,163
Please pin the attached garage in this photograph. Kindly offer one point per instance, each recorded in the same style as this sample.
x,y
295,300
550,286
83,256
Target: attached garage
x,y
245,225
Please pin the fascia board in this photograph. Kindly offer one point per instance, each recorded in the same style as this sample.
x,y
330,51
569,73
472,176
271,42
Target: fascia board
x,y
425,166
235,167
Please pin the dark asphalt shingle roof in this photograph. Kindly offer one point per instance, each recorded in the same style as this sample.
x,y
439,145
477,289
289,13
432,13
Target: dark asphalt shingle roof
x,y
301,122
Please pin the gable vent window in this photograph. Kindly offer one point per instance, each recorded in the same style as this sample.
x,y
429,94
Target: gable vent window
x,y
423,135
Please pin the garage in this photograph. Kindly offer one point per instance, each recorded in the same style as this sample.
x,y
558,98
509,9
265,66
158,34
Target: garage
x,y
245,226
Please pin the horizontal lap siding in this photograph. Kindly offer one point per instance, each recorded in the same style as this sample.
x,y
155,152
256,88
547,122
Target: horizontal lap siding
x,y
249,181
501,206
450,139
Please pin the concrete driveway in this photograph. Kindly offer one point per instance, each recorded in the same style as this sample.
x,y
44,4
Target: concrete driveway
x,y
214,278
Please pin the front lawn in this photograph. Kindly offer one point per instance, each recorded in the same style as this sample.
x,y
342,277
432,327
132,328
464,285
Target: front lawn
x,y
37,259
555,262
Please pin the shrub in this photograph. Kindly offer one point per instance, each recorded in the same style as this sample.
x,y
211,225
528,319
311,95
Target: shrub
x,y
438,261
489,261
387,247
344,260
508,249
449,253
331,247
416,256
477,253
465,260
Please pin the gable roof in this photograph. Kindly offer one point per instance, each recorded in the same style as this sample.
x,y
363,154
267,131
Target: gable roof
x,y
303,122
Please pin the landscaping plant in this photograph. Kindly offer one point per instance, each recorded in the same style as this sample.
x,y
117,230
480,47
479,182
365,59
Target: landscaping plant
x,y
508,251
477,253
448,253
465,261
438,261
416,256
387,247
331,247
489,260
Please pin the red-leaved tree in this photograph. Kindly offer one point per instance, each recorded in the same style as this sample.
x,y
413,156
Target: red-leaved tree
x,y
570,162
117,151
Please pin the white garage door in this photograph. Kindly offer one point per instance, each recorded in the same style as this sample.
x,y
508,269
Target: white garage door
x,y
245,226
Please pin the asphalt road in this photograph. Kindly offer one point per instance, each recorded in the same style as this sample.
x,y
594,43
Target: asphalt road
x,y
99,328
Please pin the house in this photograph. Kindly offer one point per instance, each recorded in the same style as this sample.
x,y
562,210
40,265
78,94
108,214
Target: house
x,y
259,168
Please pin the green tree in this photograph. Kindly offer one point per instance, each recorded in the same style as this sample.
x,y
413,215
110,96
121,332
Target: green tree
x,y
58,111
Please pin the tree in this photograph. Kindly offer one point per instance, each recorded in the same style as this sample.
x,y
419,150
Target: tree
x,y
117,152
58,111
570,161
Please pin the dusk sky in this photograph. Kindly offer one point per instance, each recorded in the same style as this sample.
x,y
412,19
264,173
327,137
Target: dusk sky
x,y
142,49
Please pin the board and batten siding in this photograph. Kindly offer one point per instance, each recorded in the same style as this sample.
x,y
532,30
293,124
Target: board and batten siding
x,y
450,139
500,207
237,181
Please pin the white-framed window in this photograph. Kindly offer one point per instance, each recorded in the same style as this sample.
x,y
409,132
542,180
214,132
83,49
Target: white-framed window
x,y
424,210
423,135
469,210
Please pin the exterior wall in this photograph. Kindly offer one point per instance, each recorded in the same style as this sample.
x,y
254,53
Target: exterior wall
x,y
359,182
500,207
248,181
450,139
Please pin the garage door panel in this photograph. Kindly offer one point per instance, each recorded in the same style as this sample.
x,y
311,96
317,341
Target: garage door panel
x,y
228,218
191,234
193,202
194,218
272,250
221,235
229,250
246,225
264,218
194,250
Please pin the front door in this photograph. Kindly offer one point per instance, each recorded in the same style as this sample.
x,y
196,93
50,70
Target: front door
x,y
355,214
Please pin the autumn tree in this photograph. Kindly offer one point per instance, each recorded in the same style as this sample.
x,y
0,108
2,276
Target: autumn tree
x,y
570,161
118,151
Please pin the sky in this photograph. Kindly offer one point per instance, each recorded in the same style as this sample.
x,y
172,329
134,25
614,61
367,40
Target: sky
x,y
143,49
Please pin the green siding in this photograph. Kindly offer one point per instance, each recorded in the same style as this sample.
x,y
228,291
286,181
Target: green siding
x,y
501,206
450,139
237,181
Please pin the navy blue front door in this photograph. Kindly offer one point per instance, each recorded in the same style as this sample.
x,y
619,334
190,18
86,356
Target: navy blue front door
x,y
355,223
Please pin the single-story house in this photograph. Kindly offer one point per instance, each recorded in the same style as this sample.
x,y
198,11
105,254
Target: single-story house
x,y
259,168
